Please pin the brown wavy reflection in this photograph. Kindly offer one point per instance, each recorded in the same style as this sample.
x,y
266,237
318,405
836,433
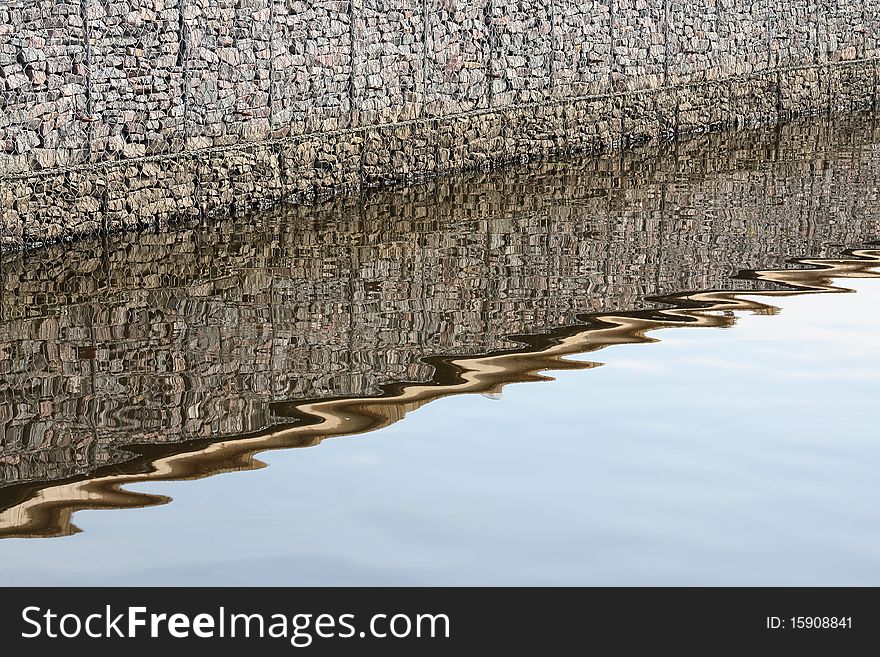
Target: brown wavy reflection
x,y
45,510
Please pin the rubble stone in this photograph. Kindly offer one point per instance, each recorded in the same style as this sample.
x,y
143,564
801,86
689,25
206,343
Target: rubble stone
x,y
394,90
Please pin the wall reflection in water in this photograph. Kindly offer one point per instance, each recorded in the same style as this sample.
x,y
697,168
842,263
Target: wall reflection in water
x,y
181,354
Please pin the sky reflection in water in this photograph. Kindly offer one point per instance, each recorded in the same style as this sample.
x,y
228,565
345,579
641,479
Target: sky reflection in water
x,y
742,455
738,456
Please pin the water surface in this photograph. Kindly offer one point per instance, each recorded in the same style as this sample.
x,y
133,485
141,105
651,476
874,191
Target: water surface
x,y
711,418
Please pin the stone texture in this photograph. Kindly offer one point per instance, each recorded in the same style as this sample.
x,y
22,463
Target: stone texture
x,y
647,116
520,70
705,107
638,32
318,165
744,35
398,153
755,100
161,338
310,94
842,35
389,82
582,53
592,125
803,91
227,55
136,85
471,142
458,56
850,87
793,33
311,66
534,133
694,46
43,85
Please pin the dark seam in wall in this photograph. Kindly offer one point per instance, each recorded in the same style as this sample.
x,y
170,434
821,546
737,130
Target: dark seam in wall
x,y
778,94
825,57
362,147
272,26
771,42
552,54
87,60
874,97
183,62
676,120
613,62
87,57
435,127
827,69
87,53
665,42
864,47
611,70
494,52
182,57
275,307
351,61
565,145
423,105
282,170
487,20
817,53
104,211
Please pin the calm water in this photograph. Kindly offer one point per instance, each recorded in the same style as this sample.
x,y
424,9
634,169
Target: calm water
x,y
632,370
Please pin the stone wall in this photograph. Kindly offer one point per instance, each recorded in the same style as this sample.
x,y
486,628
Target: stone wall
x,y
173,336
221,105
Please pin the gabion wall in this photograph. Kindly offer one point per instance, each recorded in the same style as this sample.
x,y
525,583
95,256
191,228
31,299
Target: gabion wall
x,y
120,113
169,337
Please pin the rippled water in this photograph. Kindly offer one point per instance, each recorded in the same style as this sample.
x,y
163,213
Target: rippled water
x,y
693,455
